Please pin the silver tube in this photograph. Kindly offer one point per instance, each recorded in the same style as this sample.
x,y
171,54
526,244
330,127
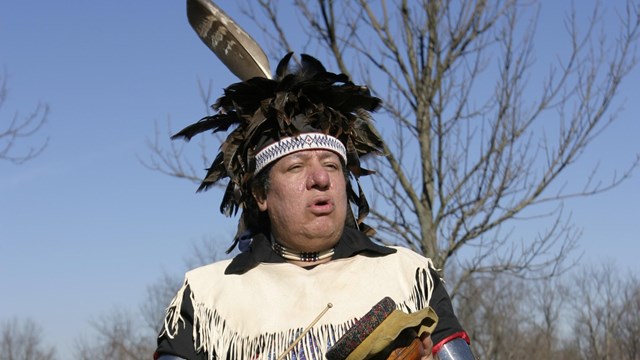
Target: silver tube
x,y
456,349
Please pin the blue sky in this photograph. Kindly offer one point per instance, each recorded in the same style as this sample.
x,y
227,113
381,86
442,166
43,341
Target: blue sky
x,y
85,228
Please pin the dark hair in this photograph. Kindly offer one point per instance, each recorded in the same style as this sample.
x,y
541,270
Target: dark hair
x,y
257,221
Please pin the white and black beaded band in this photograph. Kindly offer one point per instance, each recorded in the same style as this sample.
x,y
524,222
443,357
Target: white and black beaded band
x,y
301,256
301,142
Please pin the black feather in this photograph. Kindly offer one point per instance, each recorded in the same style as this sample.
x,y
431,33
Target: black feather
x,y
304,98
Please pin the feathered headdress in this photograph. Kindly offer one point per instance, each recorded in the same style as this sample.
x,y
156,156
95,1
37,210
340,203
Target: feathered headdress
x,y
274,113
301,108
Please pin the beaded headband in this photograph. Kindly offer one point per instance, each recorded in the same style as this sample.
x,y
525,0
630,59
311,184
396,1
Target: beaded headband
x,y
290,145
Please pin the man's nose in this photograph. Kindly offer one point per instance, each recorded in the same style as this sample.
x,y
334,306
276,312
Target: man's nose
x,y
318,178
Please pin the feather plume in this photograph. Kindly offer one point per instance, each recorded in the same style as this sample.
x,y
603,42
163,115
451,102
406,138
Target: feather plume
x,y
233,46
299,100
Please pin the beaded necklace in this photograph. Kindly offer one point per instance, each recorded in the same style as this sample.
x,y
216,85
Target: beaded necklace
x,y
305,256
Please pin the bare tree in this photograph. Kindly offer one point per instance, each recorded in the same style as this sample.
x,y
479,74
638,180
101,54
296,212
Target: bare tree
x,y
594,314
159,295
544,309
491,308
170,158
472,150
477,139
131,334
22,340
15,128
628,330
605,306
118,335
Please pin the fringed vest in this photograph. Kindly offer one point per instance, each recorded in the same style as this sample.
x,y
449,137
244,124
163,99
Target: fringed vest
x,y
259,314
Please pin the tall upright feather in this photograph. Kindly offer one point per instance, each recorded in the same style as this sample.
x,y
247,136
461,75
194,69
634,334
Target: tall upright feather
x,y
233,46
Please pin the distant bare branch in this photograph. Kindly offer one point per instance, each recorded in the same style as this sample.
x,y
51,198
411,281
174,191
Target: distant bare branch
x,y
22,339
16,129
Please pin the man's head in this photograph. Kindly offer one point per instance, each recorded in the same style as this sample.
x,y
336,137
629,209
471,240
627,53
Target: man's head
x,y
303,111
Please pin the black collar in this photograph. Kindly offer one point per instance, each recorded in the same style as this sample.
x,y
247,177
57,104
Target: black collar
x,y
351,242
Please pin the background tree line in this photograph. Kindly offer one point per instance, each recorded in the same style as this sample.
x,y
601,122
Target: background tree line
x,y
593,313
478,140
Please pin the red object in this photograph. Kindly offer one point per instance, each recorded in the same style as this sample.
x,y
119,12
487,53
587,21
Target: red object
x,y
460,334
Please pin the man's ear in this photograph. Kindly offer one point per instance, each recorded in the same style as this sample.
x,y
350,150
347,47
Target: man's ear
x,y
260,197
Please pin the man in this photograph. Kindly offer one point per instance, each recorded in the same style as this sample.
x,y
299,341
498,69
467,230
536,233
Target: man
x,y
310,270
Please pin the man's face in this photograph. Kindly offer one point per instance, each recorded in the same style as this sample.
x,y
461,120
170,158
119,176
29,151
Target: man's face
x,y
306,200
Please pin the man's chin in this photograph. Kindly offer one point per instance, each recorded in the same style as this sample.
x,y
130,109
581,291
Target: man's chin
x,y
324,232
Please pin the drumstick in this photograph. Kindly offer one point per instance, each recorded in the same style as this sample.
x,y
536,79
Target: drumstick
x,y
305,331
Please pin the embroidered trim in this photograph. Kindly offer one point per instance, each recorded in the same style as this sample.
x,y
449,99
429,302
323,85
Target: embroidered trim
x,y
302,142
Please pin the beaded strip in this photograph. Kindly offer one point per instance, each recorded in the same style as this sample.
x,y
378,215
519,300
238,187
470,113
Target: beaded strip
x,y
302,142
301,256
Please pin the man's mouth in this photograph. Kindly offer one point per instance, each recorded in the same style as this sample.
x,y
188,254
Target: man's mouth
x,y
321,206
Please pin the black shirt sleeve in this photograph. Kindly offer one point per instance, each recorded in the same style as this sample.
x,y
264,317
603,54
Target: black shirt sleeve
x,y
441,303
182,344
